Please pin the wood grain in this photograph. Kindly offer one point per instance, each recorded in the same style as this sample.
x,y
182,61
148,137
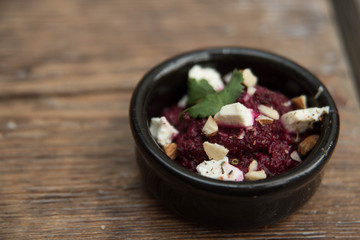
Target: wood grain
x,y
67,71
347,14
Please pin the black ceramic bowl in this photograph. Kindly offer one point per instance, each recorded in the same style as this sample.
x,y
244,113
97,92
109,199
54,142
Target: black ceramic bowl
x,y
242,204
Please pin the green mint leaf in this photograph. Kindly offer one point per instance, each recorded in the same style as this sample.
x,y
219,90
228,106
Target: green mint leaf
x,y
213,102
198,90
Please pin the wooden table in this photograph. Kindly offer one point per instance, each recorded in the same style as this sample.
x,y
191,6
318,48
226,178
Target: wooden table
x,y
67,71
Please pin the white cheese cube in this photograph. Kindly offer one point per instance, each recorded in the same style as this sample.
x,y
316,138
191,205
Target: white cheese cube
x,y
235,114
162,130
220,169
300,120
215,151
209,74
250,80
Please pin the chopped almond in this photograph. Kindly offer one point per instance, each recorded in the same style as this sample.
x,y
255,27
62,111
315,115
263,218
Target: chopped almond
x,y
295,156
307,144
210,128
171,150
299,102
251,90
269,112
215,151
264,120
250,80
255,175
253,166
286,104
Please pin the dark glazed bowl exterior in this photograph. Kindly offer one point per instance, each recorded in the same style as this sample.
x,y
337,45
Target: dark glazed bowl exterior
x,y
223,203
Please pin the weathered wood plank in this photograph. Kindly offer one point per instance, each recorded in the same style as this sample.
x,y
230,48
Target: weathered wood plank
x,y
347,14
67,70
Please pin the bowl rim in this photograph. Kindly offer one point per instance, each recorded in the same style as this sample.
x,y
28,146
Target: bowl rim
x,y
299,175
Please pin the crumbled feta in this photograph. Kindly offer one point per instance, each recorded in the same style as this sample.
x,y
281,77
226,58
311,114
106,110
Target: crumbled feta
x,y
255,175
220,169
235,114
183,101
300,120
209,74
250,80
162,130
210,128
215,151
269,112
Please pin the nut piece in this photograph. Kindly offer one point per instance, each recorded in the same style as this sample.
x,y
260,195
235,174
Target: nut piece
x,y
264,120
253,166
250,79
183,101
171,150
307,144
251,90
210,128
269,112
215,151
227,77
295,156
286,104
255,175
299,102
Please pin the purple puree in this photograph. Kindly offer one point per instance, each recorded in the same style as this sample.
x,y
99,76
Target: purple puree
x,y
271,145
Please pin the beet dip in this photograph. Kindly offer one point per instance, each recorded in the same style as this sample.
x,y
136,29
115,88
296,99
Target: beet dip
x,y
269,147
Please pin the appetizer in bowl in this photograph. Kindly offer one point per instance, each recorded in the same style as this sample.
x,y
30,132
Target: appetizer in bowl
x,y
231,128
227,157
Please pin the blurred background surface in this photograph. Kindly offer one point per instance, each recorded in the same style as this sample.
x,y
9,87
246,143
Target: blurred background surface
x,y
67,71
